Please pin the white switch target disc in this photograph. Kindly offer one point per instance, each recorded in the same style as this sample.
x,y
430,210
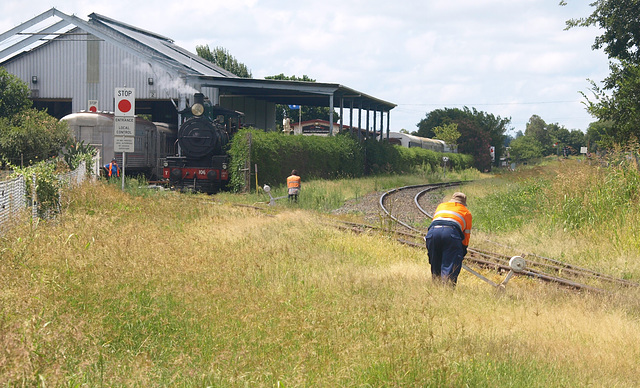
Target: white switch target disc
x,y
517,264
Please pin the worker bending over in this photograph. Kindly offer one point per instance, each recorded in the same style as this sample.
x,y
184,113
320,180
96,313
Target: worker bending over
x,y
448,238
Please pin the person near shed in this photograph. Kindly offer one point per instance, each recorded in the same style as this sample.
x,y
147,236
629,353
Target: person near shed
x,y
113,170
448,238
293,185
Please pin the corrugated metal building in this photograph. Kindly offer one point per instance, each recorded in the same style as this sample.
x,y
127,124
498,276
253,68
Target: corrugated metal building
x,y
72,64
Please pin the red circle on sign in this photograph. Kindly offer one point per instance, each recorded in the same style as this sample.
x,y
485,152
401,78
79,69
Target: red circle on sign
x,y
124,106
93,109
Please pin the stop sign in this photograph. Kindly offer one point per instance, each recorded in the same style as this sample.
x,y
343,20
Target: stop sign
x,y
125,101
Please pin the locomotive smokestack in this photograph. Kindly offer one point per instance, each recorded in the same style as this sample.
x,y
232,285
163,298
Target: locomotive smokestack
x,y
198,98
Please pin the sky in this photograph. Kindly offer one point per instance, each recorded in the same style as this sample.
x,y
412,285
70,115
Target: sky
x,y
509,58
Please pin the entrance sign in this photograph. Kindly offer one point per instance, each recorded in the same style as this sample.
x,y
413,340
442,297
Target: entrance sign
x,y
124,126
124,123
125,101
123,144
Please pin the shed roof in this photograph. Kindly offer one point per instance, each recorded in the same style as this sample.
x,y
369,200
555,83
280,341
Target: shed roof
x,y
154,47
158,49
294,92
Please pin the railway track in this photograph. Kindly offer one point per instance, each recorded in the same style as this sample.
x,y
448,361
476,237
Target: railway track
x,y
410,214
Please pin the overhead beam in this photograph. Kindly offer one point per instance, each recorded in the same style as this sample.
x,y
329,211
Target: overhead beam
x,y
29,23
33,38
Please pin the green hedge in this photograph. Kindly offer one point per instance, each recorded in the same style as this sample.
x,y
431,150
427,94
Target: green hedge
x,y
384,158
333,157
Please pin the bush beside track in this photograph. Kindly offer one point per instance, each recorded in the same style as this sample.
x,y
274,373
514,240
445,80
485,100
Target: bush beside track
x,y
327,157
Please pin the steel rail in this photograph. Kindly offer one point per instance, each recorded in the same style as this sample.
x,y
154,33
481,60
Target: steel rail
x,y
501,261
555,265
490,263
430,187
528,273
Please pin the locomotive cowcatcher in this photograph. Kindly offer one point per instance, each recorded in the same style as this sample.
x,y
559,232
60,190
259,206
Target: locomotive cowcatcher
x,y
202,160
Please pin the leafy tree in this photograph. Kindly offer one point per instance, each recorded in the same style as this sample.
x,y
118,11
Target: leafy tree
x,y
76,152
494,127
27,135
507,140
308,112
618,100
447,133
221,57
537,128
551,137
559,134
31,136
598,136
475,142
525,148
576,140
14,94
618,20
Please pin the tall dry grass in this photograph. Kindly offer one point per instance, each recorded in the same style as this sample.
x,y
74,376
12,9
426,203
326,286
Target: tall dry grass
x,y
175,290
570,210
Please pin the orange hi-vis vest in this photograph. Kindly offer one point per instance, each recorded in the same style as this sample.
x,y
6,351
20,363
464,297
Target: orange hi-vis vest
x,y
458,214
111,170
293,182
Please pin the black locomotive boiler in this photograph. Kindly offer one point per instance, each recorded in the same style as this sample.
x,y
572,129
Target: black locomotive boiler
x,y
202,162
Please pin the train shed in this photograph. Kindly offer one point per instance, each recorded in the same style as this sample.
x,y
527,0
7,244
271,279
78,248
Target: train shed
x,y
72,64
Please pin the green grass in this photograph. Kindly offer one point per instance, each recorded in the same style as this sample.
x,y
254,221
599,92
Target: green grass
x,y
162,289
567,210
327,195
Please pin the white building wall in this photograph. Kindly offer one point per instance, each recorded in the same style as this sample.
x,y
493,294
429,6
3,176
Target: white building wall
x,y
66,69
72,68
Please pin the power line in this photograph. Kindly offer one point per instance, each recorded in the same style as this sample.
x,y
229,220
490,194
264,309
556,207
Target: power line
x,y
496,103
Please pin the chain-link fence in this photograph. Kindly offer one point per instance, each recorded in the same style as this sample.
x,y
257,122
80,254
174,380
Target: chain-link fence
x,y
14,199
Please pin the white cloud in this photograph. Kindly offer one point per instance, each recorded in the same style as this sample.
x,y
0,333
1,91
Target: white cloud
x,y
503,54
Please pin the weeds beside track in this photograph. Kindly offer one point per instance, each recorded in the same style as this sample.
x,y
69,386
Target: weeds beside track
x,y
398,206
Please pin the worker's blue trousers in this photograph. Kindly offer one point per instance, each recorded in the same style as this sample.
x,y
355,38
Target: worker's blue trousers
x,y
445,249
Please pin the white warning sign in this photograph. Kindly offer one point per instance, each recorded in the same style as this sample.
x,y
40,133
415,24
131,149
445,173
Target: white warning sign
x,y
124,126
124,144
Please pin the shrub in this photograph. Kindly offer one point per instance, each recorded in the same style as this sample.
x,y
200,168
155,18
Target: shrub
x,y
326,157
47,185
31,136
76,152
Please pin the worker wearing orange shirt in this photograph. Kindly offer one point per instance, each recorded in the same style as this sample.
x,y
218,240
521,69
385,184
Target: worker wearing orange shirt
x,y
448,238
293,185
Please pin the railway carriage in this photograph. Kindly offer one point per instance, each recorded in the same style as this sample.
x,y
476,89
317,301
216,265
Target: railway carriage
x,y
152,141
411,141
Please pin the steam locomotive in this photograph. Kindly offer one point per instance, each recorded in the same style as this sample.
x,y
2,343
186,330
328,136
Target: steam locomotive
x,y
191,157
201,163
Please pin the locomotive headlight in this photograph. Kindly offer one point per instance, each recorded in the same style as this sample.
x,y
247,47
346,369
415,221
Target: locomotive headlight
x,y
197,109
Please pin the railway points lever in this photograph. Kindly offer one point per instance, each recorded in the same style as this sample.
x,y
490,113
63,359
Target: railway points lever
x,y
272,200
517,264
